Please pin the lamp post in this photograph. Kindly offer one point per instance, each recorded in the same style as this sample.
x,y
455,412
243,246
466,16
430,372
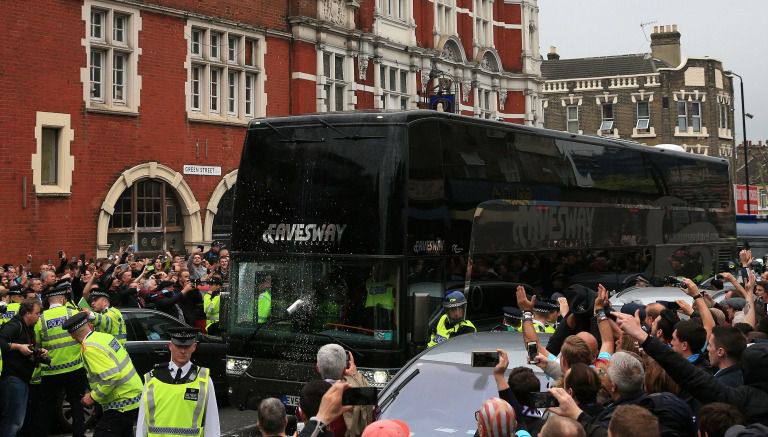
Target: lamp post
x,y
744,134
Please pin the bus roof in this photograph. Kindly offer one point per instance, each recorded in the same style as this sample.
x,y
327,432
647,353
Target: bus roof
x,y
407,117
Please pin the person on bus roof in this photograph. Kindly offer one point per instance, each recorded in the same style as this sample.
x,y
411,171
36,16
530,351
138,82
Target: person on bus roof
x,y
452,323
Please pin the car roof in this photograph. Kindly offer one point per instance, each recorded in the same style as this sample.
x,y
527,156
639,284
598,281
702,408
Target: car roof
x,y
647,295
458,349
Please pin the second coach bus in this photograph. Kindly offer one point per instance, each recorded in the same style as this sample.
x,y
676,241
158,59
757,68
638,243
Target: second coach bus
x,y
340,219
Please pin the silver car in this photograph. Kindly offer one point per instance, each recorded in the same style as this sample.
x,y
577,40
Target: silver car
x,y
438,391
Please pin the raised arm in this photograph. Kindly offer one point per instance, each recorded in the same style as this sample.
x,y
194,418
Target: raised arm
x,y
526,306
603,323
700,304
749,307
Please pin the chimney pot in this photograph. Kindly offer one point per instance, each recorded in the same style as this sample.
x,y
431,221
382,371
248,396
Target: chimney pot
x,y
552,55
674,28
655,29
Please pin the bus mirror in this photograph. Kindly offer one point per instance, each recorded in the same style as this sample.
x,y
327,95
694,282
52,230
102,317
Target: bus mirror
x,y
420,334
224,309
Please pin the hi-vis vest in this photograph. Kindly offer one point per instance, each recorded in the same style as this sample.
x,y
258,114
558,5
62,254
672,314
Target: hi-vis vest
x,y
212,305
10,310
264,305
113,380
442,333
175,409
111,322
379,294
62,348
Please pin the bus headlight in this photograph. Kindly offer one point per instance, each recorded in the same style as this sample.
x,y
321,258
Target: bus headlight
x,y
236,366
377,377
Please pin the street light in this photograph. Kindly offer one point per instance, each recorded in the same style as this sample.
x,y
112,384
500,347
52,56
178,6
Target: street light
x,y
744,116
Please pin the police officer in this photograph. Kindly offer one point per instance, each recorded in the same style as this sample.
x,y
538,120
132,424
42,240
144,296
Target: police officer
x,y
380,302
212,303
115,385
545,316
452,323
178,397
65,371
513,320
105,318
16,296
264,299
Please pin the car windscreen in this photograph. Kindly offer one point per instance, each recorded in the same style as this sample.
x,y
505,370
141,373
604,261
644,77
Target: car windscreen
x,y
442,398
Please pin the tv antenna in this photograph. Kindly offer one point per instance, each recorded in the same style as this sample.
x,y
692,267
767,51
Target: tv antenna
x,y
646,24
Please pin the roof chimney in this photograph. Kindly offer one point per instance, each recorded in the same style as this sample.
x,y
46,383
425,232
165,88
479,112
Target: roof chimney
x,y
665,44
552,55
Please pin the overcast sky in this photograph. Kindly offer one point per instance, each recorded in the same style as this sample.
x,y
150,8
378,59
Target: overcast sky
x,y
734,32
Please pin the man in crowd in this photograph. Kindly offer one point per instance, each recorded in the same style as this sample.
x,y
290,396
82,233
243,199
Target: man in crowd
x,y
452,323
65,370
114,383
272,419
335,364
16,296
179,395
725,347
20,357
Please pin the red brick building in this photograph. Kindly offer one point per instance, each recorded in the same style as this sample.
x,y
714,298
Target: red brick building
x,y
122,122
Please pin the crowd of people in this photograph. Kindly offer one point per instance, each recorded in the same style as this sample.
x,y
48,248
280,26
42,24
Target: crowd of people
x,y
43,360
663,369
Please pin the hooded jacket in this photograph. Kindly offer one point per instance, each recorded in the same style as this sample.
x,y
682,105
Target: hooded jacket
x,y
751,399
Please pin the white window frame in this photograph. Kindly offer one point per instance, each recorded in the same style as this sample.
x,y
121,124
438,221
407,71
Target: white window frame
x,y
394,95
643,123
445,17
104,38
696,120
331,85
396,10
682,117
569,120
483,32
606,123
485,107
215,98
65,163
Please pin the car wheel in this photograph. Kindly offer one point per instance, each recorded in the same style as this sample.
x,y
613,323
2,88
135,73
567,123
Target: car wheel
x,y
64,414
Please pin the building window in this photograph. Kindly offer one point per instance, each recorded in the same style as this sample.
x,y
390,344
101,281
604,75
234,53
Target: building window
x,y
696,116
397,9
484,103
148,215
394,87
572,119
643,117
445,11
111,48
763,199
224,75
335,81
52,163
484,23
723,115
606,126
682,117
50,156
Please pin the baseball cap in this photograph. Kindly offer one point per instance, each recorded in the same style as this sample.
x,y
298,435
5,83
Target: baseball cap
x,y
387,428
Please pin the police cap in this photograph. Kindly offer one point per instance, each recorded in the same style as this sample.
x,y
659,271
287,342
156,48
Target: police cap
x,y
183,336
545,306
513,313
97,293
15,290
62,288
75,322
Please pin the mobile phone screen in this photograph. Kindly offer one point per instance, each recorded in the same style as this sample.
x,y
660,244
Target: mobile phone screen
x,y
533,350
360,396
543,399
485,359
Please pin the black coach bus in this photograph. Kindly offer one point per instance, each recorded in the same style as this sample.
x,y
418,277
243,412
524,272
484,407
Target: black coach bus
x,y
343,223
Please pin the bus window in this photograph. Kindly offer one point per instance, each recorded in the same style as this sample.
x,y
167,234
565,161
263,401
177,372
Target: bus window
x,y
354,301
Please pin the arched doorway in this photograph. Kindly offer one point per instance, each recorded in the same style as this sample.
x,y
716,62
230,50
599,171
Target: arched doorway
x,y
149,201
218,211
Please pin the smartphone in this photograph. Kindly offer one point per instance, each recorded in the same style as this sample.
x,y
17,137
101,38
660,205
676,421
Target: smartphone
x,y
360,396
533,350
61,253
673,306
151,268
543,399
485,359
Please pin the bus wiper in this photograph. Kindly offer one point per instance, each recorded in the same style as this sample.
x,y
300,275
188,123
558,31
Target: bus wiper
x,y
347,136
336,339
286,139
383,404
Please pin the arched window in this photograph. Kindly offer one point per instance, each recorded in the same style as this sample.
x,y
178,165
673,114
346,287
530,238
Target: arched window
x,y
148,216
